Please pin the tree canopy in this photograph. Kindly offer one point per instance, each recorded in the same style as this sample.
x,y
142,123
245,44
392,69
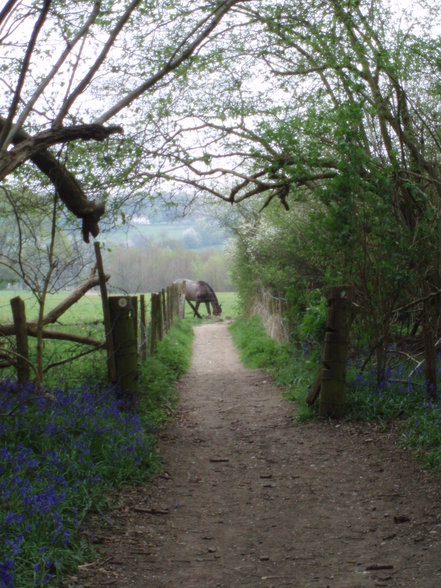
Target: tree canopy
x,y
68,68
330,107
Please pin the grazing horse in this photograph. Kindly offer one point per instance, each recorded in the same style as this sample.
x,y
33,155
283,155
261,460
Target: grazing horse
x,y
201,292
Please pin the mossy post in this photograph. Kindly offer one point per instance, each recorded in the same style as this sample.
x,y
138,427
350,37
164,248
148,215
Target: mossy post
x,y
169,306
333,371
163,313
22,361
156,321
123,313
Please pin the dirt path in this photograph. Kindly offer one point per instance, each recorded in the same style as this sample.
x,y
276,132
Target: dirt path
x,y
250,499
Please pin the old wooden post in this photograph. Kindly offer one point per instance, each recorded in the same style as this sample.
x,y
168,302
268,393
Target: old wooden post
x,y
163,313
19,316
143,329
155,321
333,371
111,368
169,308
123,316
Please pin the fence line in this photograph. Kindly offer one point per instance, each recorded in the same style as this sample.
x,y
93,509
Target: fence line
x,y
127,330
271,310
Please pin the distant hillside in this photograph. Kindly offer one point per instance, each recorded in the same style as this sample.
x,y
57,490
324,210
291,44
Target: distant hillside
x,y
189,232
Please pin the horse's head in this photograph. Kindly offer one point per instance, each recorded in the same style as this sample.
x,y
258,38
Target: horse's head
x,y
217,308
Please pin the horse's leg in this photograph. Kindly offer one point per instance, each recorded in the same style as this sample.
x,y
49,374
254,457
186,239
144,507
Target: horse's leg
x,y
196,309
207,304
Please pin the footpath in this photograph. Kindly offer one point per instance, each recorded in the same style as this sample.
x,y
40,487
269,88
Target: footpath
x,y
249,498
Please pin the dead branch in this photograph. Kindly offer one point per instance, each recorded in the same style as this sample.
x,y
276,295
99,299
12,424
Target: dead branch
x,y
67,186
31,330
418,301
53,315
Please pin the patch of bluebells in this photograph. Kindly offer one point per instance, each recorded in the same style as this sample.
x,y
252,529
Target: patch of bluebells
x,y
400,397
59,452
396,396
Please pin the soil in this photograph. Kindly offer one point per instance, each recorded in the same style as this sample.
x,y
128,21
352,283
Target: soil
x,y
250,498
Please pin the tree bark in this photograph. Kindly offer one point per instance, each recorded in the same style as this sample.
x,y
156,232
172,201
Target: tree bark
x,y
69,189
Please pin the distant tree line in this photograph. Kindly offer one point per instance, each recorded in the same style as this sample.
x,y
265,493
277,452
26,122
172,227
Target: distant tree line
x,y
154,267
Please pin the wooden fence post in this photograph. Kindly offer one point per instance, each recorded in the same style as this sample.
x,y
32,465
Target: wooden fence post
x,y
123,316
155,321
143,329
19,316
169,308
333,371
164,312
111,367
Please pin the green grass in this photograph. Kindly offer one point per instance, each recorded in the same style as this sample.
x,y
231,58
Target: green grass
x,y
287,365
87,310
395,400
83,318
160,372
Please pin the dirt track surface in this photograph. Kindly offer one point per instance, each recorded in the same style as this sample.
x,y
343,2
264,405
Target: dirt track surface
x,y
249,498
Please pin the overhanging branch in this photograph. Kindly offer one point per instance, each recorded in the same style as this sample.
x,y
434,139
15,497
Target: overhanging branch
x,y
69,189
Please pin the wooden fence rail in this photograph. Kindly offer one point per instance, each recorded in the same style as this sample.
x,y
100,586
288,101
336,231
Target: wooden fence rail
x,y
128,334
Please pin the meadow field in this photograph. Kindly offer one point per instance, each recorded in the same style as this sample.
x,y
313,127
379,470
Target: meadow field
x,y
84,318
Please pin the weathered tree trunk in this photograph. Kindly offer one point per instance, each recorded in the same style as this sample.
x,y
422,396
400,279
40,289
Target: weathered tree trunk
x,y
111,368
143,329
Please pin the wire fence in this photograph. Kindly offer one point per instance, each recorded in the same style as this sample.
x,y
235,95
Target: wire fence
x,y
272,310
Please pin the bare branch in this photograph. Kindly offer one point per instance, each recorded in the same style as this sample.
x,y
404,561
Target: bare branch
x,y
176,60
98,62
27,58
39,90
6,9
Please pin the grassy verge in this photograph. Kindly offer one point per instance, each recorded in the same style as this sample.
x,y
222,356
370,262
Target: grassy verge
x,y
399,399
63,452
395,399
160,372
289,367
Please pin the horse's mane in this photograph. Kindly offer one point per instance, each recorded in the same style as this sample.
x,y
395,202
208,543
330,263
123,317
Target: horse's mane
x,y
212,292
